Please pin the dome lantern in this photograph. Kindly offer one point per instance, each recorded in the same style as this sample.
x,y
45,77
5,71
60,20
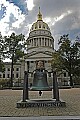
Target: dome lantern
x,y
40,25
39,15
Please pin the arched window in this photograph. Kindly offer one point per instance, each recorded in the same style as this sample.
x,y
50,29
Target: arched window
x,y
39,25
35,26
44,26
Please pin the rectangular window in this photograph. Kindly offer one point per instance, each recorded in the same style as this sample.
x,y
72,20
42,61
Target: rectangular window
x,y
64,74
39,25
3,75
45,61
0,75
8,75
17,69
49,74
8,69
17,75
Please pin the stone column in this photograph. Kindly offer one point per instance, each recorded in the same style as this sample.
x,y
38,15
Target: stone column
x,y
25,69
33,41
37,42
41,42
50,42
44,41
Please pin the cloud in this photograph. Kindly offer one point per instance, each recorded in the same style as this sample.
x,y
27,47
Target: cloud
x,y
58,18
12,19
21,4
62,16
30,4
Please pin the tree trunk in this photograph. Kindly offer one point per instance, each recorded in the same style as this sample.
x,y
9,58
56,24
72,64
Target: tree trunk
x,y
71,81
70,72
12,71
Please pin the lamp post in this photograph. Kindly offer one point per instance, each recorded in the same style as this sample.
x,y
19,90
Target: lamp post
x,y
12,66
55,86
25,85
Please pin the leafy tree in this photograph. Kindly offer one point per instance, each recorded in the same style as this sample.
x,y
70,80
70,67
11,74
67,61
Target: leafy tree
x,y
14,45
1,52
4,83
67,57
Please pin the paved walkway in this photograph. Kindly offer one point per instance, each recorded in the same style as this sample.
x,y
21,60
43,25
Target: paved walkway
x,y
9,98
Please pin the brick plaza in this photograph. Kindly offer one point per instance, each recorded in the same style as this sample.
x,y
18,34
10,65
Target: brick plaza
x,y
9,98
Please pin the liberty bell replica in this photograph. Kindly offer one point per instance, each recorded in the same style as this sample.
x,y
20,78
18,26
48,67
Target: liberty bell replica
x,y
40,79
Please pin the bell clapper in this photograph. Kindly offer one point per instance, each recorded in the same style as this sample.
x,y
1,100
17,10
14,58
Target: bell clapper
x,y
40,93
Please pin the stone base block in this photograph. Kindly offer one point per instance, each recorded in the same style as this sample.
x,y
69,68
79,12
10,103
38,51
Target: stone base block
x,y
40,103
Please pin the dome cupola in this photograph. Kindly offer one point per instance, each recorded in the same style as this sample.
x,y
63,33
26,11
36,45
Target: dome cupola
x,y
40,38
39,25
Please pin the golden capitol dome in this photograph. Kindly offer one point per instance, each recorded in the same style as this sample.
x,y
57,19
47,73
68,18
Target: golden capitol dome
x,y
40,36
39,25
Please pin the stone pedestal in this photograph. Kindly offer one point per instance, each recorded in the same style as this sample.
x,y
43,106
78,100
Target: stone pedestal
x,y
54,102
41,103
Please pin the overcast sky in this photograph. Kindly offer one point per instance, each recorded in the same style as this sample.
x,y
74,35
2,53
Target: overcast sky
x,y
62,16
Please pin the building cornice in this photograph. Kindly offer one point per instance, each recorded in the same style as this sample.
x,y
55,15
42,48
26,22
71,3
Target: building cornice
x,y
48,47
34,53
30,37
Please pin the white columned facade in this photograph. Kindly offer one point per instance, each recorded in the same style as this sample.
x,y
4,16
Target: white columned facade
x,y
40,46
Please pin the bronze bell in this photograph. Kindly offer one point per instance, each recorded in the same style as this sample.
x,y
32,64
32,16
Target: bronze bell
x,y
40,80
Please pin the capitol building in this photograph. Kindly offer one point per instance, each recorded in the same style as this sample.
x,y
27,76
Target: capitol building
x,y
40,47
